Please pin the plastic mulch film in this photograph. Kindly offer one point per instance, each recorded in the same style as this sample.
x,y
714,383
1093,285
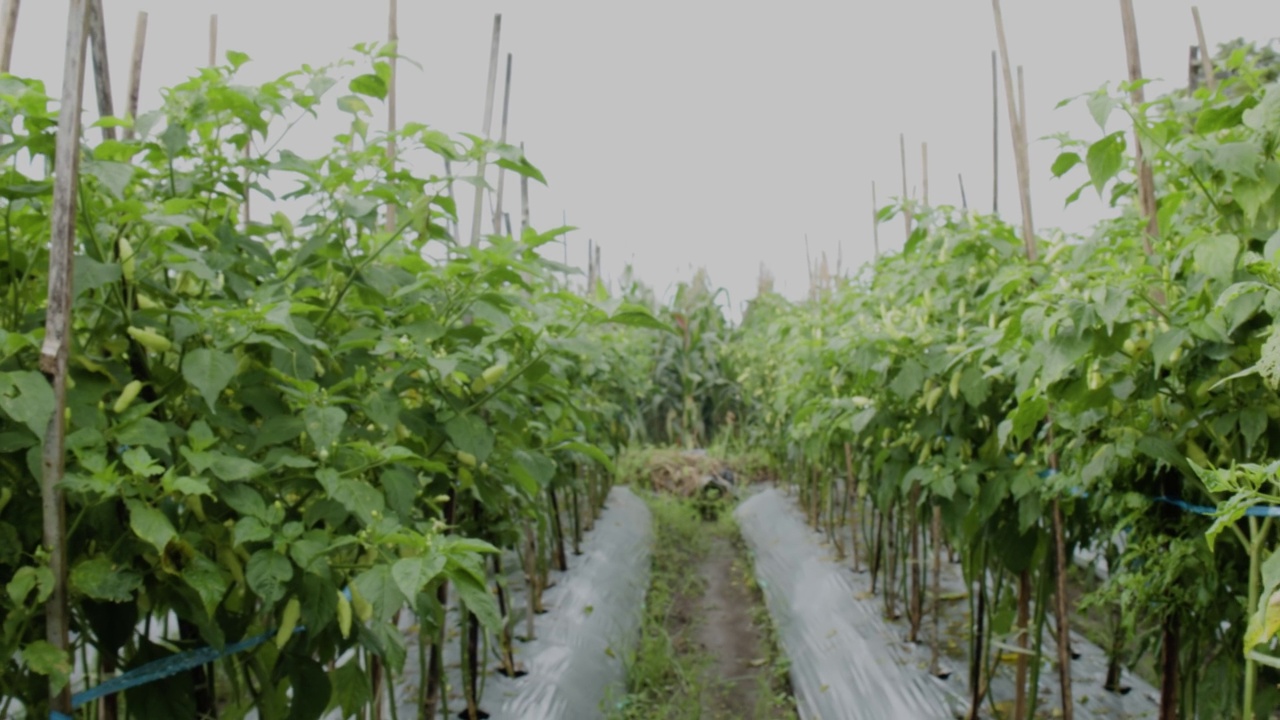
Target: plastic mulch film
x,y
839,667
576,663
849,662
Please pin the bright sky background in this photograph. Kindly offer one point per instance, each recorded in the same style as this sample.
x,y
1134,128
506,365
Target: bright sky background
x,y
706,133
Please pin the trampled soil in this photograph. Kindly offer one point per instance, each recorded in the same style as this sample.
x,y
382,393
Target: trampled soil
x,y
707,648
727,632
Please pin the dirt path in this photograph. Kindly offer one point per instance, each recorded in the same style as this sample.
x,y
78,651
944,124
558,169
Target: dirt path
x,y
727,632
706,648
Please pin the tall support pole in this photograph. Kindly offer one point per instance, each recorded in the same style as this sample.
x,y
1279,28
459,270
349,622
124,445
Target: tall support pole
x,y
393,38
924,166
135,73
875,222
56,348
101,66
213,40
1015,123
11,8
488,125
524,201
906,212
1146,179
995,137
1206,60
502,138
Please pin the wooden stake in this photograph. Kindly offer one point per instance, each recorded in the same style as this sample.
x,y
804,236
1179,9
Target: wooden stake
x,y
524,203
1206,60
135,73
502,138
906,205
488,125
936,532
213,40
1015,122
995,137
101,67
1146,179
56,348
393,38
964,199
924,163
875,221
11,8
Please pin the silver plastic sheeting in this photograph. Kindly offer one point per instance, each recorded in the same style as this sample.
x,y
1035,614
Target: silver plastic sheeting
x,y
576,663
839,667
849,662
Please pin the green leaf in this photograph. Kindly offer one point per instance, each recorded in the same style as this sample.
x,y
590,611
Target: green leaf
x,y
533,471
29,578
908,380
139,461
1163,347
590,451
26,397
267,573
324,424
639,317
1253,421
381,590
470,434
1237,158
101,579
206,578
411,575
249,529
354,105
1100,106
475,596
209,372
1064,163
1216,257
1027,417
91,275
45,659
370,85
150,524
1104,160
1265,117
114,176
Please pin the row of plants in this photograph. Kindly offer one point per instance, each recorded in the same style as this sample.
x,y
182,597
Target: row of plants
x,y
962,394
313,420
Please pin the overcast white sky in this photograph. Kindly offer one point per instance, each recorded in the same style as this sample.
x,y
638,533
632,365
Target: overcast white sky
x,y
707,133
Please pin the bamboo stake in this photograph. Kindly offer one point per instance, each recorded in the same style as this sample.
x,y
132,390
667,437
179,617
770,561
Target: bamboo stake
x,y
1206,60
213,40
906,212
936,531
852,493
101,66
875,221
502,138
995,137
1015,122
488,125
924,162
393,38
56,349
11,8
964,199
1146,179
135,73
524,202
